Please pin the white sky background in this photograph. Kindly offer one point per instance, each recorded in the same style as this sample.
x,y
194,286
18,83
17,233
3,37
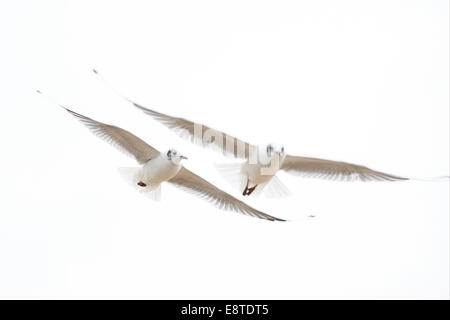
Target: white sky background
x,y
360,81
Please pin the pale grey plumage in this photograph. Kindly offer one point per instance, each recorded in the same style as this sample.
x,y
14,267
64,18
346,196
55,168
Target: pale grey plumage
x,y
333,170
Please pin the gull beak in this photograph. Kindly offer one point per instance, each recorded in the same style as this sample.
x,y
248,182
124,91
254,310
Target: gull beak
x,y
183,157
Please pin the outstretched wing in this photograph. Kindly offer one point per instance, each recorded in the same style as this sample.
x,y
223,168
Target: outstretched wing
x,y
120,138
191,182
203,135
333,170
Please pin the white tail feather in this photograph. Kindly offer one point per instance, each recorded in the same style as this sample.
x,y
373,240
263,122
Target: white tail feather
x,y
272,189
154,193
132,175
276,189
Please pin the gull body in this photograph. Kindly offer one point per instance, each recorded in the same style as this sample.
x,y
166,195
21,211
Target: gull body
x,y
160,169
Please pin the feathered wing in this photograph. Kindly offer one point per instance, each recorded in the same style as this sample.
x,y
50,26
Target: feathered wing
x,y
132,175
333,170
191,182
207,137
120,138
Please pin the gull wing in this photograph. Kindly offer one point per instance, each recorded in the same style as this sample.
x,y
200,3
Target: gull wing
x,y
120,138
207,137
192,183
333,170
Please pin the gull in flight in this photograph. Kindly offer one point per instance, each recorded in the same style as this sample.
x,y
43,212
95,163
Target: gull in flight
x,y
261,163
157,167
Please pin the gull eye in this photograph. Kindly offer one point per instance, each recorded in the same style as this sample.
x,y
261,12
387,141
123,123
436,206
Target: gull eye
x,y
169,153
269,149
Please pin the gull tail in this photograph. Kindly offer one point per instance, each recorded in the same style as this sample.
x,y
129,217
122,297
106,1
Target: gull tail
x,y
106,83
152,192
232,173
272,189
275,188
132,175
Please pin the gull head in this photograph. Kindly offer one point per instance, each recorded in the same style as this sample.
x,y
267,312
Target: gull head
x,y
275,149
174,156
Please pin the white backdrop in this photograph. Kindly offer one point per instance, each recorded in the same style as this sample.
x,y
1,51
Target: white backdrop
x,y
360,81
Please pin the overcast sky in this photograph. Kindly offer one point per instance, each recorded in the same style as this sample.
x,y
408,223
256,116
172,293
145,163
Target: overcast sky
x,y
361,81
